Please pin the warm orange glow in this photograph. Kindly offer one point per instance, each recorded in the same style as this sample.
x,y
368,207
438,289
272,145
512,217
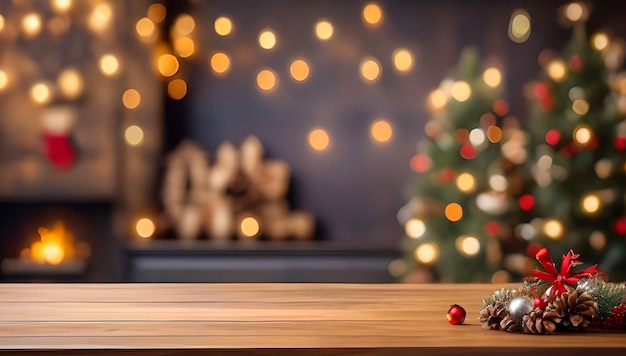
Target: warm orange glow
x,y
454,211
370,69
100,17
184,47
70,82
133,135
61,5
372,14
223,26
145,27
31,24
250,227
55,245
168,65
109,64
460,91
131,98
267,39
184,25
494,134
319,140
4,80
402,60
324,30
299,70
145,228
177,89
157,12
220,62
266,80
381,131
427,253
40,93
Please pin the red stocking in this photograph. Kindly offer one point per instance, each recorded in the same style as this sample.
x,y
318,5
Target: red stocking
x,y
59,150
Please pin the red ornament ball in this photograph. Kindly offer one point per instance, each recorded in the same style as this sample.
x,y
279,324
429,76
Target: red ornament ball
x,y
620,226
467,151
620,143
553,137
541,302
526,202
456,314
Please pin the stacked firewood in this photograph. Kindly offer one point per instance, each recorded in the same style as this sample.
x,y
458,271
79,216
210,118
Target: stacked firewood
x,y
212,197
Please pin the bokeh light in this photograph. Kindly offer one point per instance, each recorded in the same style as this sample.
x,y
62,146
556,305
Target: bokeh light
x,y
557,70
220,63
381,131
494,134
109,64
131,98
437,99
574,11
580,106
70,82
267,39
145,27
402,60
299,70
168,65
427,253
553,229
415,228
370,69
590,204
372,14
40,93
145,228
100,17
4,80
519,26
467,245
177,89
319,139
492,77
134,135
157,12
454,211
61,5
460,91
223,26
31,24
266,80
185,47
324,30
600,41
250,227
466,182
582,135
184,25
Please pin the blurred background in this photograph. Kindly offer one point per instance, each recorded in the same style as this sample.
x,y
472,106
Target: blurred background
x,y
318,141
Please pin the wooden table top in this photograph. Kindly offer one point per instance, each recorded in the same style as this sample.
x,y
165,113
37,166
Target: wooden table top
x,y
266,319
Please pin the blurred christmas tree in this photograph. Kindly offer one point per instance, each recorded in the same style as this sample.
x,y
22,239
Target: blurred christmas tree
x,y
463,209
578,129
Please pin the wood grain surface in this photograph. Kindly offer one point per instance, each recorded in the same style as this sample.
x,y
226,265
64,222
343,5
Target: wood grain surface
x,y
259,319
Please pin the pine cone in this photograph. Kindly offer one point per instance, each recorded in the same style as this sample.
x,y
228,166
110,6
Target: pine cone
x,y
510,323
577,308
540,321
492,314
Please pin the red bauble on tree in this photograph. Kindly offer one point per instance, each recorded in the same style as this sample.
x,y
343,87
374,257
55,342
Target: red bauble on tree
x,y
620,143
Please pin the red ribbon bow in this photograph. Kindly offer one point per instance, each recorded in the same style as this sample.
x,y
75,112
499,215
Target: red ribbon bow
x,y
561,280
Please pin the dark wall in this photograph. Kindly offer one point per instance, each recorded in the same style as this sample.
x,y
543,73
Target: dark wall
x,y
356,187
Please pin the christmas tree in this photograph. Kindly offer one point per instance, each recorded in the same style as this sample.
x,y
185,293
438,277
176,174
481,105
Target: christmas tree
x,y
463,207
578,129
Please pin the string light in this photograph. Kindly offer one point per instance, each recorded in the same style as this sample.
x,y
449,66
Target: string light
x,y
184,25
133,135
582,135
415,228
145,27
498,182
2,21
381,131
402,60
574,12
477,137
370,69
437,99
544,162
100,17
420,163
494,134
323,30
603,168
427,253
223,26
580,106
597,240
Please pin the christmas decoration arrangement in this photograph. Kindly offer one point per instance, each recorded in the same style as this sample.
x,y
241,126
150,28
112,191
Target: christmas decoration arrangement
x,y
239,194
557,300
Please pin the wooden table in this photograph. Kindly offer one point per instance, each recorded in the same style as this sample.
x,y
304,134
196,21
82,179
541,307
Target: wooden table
x,y
260,319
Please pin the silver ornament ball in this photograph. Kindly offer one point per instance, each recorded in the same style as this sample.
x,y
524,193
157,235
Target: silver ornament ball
x,y
520,306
